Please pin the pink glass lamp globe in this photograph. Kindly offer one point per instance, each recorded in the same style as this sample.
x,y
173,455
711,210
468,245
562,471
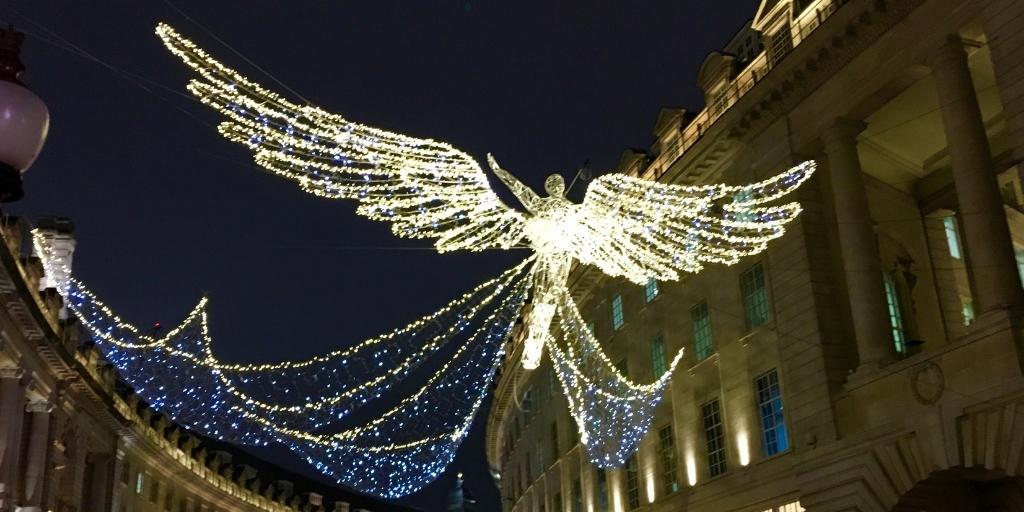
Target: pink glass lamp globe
x,y
24,119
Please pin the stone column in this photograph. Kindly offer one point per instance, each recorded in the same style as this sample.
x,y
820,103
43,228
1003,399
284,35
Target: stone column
x,y
38,455
12,413
859,245
990,258
1002,20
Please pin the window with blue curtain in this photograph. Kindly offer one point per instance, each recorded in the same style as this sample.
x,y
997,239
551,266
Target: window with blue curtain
x,y
774,437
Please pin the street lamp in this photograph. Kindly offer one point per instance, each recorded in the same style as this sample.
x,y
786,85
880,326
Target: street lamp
x,y
24,119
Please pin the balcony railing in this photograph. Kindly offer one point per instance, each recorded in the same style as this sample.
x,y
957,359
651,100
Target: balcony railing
x,y
806,22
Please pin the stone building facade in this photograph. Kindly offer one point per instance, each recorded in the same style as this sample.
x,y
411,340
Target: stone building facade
x,y
74,439
872,358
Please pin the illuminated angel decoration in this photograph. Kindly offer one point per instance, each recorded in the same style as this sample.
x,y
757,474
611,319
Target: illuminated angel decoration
x,y
625,226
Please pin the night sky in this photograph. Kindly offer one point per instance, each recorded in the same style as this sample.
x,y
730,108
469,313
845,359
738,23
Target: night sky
x,y
166,210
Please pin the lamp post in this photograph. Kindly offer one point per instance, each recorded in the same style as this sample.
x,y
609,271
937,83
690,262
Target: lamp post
x,y
24,119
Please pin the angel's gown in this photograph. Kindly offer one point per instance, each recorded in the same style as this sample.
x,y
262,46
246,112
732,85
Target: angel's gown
x,y
547,234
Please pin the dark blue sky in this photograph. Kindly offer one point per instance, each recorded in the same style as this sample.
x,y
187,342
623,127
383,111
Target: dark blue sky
x,y
167,210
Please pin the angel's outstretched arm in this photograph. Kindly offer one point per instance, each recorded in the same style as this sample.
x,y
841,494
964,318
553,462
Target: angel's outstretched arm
x,y
527,196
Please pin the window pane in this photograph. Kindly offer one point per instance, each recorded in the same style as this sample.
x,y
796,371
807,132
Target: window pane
x,y
702,342
617,317
952,238
774,438
632,483
892,302
755,297
602,490
651,290
667,452
658,362
714,436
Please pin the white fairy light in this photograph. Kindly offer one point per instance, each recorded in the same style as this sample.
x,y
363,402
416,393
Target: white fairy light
x,y
626,227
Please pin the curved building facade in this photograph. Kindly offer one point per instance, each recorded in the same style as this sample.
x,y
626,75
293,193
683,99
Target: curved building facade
x,y
72,438
871,359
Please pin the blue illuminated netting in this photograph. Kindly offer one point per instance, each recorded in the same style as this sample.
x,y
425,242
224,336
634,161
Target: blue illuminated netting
x,y
307,406
612,413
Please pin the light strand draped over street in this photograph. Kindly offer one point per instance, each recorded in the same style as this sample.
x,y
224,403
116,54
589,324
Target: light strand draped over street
x,y
387,414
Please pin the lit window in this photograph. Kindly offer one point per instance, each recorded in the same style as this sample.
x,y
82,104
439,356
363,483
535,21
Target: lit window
x,y
967,309
892,301
774,437
651,290
714,437
744,214
140,483
658,356
667,453
602,490
632,483
1018,252
755,296
618,319
952,237
701,319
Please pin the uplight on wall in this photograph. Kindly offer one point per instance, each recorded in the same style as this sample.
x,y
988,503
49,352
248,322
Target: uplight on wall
x,y
691,469
743,445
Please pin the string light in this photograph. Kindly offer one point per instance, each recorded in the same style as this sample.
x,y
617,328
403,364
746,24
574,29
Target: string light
x,y
628,227
625,226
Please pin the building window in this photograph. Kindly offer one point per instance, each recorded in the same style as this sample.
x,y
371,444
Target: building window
x,y
623,367
618,319
540,460
556,502
552,381
714,437
952,237
667,453
1018,252
632,483
702,342
651,290
892,302
183,505
154,491
577,496
555,452
967,309
602,489
126,472
591,328
527,470
779,45
774,438
755,296
744,215
574,434
658,362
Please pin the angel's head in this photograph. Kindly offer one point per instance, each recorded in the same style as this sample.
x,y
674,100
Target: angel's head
x,y
555,185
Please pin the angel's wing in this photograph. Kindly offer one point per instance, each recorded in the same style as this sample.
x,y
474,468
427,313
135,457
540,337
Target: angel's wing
x,y
425,188
646,230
